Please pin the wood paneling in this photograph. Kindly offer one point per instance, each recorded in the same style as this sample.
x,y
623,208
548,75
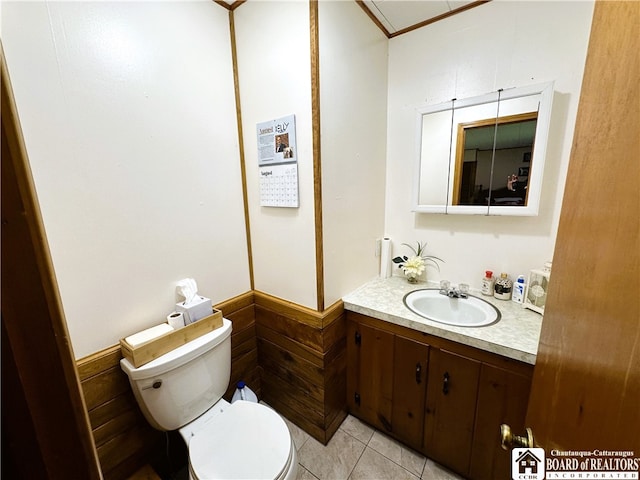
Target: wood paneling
x,y
586,385
317,163
300,314
244,349
243,166
302,354
123,438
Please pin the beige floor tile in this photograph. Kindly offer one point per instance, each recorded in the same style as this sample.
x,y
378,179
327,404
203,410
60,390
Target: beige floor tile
x,y
373,465
395,451
357,428
334,461
304,474
299,436
433,471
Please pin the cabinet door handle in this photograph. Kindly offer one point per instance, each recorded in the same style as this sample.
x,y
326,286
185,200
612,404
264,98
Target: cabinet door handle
x,y
418,373
445,383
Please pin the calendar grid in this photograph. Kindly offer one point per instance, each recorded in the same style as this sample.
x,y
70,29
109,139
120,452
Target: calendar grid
x,y
279,186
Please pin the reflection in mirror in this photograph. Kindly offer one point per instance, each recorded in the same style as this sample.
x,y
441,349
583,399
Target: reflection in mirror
x,y
493,160
483,155
436,148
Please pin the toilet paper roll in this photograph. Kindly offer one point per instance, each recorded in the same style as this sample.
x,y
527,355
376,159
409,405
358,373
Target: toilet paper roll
x,y
385,258
176,320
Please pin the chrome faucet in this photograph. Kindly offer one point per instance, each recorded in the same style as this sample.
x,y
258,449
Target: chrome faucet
x,y
453,292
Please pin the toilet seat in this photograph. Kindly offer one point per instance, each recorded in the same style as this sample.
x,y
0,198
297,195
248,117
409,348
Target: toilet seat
x,y
247,441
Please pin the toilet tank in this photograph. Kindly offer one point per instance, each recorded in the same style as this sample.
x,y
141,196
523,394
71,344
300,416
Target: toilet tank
x,y
181,385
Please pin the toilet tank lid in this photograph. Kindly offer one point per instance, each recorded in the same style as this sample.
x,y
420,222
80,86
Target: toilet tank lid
x,y
179,356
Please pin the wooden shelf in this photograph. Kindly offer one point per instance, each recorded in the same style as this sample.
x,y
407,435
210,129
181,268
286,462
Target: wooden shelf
x,y
148,351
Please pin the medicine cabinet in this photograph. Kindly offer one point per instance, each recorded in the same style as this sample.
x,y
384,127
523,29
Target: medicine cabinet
x,y
483,155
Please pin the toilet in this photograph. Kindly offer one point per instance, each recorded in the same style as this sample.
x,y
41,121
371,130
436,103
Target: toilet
x,y
182,390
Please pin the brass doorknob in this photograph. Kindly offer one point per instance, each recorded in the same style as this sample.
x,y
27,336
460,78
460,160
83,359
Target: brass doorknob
x,y
508,440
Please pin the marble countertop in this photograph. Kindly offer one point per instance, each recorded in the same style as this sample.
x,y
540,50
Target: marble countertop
x,y
516,335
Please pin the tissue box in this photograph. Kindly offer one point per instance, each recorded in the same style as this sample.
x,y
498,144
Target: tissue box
x,y
193,311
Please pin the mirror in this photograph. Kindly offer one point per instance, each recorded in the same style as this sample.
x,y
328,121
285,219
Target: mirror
x,y
483,155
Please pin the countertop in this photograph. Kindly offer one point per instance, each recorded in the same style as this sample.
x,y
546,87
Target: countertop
x,y
516,335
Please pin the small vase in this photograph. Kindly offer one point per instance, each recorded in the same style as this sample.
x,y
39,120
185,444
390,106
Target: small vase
x,y
412,278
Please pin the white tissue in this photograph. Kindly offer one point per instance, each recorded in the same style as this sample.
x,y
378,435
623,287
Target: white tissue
x,y
194,307
148,334
187,288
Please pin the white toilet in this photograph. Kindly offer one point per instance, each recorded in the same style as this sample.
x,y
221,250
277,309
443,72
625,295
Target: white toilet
x,y
183,390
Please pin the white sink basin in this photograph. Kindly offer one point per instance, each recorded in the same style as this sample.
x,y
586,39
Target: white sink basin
x,y
462,312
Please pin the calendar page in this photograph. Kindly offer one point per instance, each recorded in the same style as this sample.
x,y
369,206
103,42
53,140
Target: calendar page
x,y
278,162
279,186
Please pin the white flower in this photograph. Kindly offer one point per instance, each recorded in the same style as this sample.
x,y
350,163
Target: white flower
x,y
414,265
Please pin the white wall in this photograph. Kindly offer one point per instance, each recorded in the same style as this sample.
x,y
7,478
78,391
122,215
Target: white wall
x,y
274,71
500,44
130,124
128,114
353,101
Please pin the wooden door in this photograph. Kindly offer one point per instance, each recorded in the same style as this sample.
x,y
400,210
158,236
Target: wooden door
x,y
586,386
450,409
409,389
502,398
370,387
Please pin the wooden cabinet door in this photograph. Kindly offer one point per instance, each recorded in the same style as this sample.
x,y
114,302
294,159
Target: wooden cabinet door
x,y
502,398
409,389
373,384
450,409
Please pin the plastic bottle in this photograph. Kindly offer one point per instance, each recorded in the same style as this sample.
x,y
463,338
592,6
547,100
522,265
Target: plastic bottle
x,y
503,287
244,393
487,283
518,290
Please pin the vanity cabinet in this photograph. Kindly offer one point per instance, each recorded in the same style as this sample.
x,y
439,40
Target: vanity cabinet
x,y
444,399
451,408
386,381
503,395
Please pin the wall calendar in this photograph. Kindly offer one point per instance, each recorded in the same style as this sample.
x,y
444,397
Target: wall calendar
x,y
278,163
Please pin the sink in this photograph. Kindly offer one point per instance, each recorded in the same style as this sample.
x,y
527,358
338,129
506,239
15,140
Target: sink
x,y
461,312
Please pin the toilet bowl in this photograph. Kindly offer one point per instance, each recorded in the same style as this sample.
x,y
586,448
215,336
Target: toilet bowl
x,y
243,440
182,390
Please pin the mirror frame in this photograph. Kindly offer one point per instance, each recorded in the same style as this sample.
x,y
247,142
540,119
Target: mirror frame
x,y
545,90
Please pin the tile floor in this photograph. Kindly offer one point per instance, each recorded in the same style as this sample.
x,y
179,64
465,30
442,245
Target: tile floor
x,y
357,451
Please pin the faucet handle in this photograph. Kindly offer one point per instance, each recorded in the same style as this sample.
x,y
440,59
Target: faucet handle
x,y
464,288
445,285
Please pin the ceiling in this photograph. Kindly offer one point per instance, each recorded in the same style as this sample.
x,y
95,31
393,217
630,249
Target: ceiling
x,y
397,16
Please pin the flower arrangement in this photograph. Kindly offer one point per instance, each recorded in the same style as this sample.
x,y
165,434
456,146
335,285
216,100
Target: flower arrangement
x,y
415,265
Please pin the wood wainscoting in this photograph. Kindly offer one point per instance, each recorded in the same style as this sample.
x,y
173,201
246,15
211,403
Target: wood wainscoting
x,y
294,358
123,438
302,357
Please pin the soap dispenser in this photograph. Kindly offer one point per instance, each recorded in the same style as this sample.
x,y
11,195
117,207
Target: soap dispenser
x,y
518,290
487,283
